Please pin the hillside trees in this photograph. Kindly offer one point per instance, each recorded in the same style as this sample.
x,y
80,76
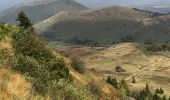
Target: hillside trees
x,y
23,21
35,60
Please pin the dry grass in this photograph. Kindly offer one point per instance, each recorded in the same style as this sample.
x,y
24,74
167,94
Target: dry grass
x,y
154,70
14,86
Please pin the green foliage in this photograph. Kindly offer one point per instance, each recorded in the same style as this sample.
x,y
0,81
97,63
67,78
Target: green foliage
x,y
36,61
112,81
119,69
159,91
5,57
146,94
122,86
62,90
28,44
164,97
124,89
6,30
23,21
133,80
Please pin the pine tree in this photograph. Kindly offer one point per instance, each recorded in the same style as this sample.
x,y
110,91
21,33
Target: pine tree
x,y
112,81
161,91
147,88
24,21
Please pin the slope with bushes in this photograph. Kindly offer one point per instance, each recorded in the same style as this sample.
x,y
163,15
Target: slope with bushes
x,y
33,71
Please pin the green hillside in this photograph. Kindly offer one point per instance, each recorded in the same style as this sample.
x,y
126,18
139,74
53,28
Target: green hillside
x,y
104,26
40,10
31,70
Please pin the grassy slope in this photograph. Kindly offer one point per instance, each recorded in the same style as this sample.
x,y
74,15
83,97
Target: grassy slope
x,y
153,70
14,86
105,26
40,10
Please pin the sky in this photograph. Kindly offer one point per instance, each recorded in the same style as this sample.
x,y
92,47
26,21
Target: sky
x,y
4,4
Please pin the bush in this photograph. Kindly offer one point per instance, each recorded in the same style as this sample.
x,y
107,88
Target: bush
x,y
159,91
94,89
119,69
112,81
77,64
6,57
63,90
38,62
133,80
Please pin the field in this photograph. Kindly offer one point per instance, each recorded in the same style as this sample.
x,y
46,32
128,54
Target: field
x,y
151,69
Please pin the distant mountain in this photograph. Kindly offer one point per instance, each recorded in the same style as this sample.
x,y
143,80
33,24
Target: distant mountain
x,y
40,10
162,6
105,26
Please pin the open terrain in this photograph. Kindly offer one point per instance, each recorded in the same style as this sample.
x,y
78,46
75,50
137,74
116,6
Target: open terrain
x,y
151,69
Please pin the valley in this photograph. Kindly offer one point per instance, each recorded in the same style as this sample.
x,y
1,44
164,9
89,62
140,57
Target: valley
x,y
151,69
73,50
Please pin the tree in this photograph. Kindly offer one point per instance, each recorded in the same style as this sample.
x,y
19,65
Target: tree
x,y
134,80
23,21
124,86
147,88
161,91
112,81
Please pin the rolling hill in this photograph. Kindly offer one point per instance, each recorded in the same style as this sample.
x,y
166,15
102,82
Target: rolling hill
x,y
104,26
40,10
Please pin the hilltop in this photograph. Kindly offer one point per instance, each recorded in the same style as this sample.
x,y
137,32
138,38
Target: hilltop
x,y
104,27
40,10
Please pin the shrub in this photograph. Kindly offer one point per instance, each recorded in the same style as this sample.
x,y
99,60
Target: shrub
x,y
77,64
133,80
119,69
112,81
124,89
37,61
63,90
94,89
159,91
6,57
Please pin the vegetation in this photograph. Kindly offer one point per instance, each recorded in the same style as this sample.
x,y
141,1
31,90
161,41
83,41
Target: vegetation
x,y
121,86
119,69
133,80
122,25
45,73
112,81
94,89
23,21
159,91
146,94
77,64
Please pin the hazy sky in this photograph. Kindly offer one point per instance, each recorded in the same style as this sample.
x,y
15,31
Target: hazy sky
x,y
4,4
